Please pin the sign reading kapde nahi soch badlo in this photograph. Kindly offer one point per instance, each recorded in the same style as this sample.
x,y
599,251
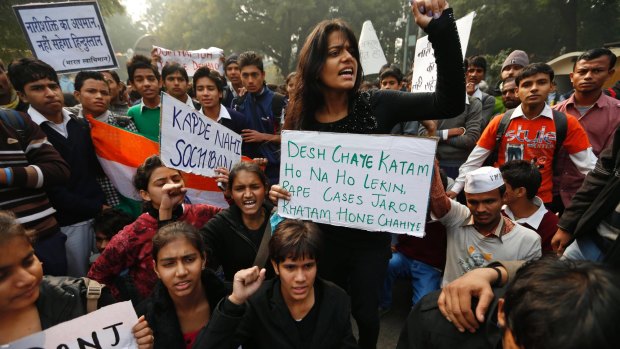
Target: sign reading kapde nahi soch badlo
x,y
193,143
371,182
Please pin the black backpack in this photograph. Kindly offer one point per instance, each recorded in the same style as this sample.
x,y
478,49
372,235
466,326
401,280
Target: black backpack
x,y
561,125
14,119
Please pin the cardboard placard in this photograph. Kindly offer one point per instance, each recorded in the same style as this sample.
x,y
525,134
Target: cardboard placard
x,y
193,143
370,182
69,36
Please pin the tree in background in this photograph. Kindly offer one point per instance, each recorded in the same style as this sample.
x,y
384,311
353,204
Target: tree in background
x,y
543,28
494,66
274,28
122,31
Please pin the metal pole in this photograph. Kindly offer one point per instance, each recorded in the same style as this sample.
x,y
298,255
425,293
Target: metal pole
x,y
406,40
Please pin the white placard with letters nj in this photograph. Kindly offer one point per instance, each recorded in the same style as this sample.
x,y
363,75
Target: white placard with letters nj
x,y
108,327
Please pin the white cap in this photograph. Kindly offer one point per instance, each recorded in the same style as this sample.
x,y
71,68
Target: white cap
x,y
483,180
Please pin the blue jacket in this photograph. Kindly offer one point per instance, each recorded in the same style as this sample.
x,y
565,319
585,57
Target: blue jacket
x,y
258,109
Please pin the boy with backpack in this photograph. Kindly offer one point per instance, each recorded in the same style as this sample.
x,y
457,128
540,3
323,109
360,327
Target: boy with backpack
x,y
531,132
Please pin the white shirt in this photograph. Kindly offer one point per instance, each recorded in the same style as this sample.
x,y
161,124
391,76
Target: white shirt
x,y
189,102
39,119
223,113
477,94
142,105
533,220
232,89
546,112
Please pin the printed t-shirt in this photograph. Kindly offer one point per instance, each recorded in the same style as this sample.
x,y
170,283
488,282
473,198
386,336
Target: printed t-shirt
x,y
468,249
534,140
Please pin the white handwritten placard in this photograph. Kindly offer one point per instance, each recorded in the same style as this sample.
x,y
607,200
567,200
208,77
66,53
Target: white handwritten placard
x,y
371,53
69,36
192,60
108,327
371,182
424,76
191,142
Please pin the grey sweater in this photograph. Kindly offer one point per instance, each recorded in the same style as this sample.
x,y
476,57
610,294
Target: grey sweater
x,y
455,150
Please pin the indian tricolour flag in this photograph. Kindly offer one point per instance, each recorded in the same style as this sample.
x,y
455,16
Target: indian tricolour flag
x,y
120,152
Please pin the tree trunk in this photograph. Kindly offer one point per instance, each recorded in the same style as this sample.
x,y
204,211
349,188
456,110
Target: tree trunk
x,y
570,24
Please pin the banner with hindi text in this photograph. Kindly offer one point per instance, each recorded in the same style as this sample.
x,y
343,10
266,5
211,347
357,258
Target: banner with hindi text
x,y
69,36
212,58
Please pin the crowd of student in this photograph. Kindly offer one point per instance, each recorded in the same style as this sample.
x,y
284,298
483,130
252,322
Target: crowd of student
x,y
522,172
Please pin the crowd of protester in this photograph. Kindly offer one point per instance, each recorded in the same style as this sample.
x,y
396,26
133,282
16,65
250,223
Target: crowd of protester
x,y
520,250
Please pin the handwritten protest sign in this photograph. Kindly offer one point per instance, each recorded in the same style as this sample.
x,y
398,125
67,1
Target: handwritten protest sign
x,y
371,53
424,76
192,60
192,142
376,183
69,36
108,327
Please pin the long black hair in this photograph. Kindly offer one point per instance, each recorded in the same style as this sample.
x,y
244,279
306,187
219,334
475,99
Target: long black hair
x,y
308,96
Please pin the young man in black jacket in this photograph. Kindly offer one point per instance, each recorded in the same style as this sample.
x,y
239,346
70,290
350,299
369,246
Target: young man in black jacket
x,y
593,218
294,310
262,109
233,76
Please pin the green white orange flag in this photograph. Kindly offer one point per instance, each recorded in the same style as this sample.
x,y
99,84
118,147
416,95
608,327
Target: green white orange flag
x,y
120,152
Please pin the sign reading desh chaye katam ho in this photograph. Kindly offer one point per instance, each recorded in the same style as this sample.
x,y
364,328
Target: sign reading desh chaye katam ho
x,y
371,182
